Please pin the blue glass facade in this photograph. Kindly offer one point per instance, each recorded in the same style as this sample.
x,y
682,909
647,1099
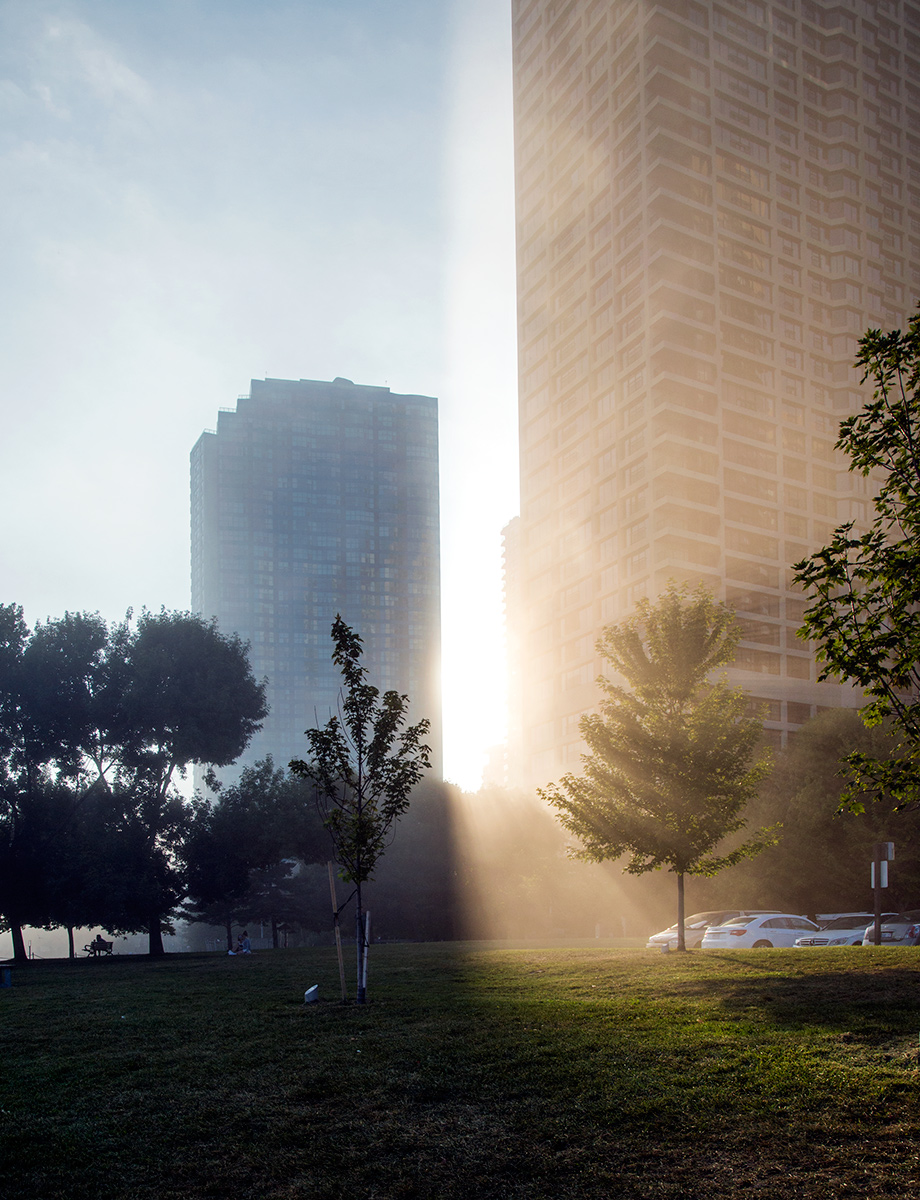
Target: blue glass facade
x,y
312,499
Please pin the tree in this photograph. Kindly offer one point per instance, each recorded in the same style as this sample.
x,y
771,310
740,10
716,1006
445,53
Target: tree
x,y
253,825
363,765
670,765
123,710
42,777
189,696
820,863
864,588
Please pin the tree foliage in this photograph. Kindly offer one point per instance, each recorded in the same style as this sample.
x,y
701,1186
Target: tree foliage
x,y
671,761
256,828
864,587
820,862
363,765
97,723
412,895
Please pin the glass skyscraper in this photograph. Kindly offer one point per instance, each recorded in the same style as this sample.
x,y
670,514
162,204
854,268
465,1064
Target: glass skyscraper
x,y
312,499
714,200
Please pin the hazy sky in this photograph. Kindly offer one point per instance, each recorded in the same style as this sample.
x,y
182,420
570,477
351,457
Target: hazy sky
x,y
195,193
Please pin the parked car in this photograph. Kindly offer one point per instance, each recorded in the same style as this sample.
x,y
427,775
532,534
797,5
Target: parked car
x,y
694,928
847,929
750,933
898,929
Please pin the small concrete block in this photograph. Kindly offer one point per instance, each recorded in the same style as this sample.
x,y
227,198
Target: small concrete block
x,y
311,995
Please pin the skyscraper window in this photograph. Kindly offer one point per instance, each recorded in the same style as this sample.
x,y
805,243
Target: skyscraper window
x,y
297,504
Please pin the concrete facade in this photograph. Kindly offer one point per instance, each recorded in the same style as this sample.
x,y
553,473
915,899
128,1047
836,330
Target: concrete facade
x,y
714,201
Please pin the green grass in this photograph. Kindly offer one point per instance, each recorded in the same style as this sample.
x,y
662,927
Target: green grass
x,y
472,1073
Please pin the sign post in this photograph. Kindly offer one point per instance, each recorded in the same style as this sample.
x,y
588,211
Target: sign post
x,y
883,854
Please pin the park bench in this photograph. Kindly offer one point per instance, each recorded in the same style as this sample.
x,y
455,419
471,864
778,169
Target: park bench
x,y
98,946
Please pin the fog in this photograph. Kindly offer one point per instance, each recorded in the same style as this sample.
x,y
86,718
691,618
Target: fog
x,y
194,197
497,865
519,881
485,865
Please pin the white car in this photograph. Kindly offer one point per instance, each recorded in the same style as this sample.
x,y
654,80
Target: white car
x,y
750,933
844,930
694,928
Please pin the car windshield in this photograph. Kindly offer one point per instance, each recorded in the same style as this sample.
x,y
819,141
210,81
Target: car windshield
x,y
696,921
857,922
740,921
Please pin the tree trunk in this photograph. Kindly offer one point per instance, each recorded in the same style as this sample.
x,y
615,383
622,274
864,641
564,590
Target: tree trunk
x,y
681,942
19,946
155,945
228,929
361,994
70,949
274,932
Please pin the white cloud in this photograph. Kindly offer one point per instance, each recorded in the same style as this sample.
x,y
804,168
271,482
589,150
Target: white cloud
x,y
87,56
44,94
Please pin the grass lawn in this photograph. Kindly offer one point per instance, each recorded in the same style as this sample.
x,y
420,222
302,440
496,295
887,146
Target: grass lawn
x,y
474,1072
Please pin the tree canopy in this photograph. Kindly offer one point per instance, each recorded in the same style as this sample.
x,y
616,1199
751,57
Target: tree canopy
x,y
96,725
243,830
864,586
671,762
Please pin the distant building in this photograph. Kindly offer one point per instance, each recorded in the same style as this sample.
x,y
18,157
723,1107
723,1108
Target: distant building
x,y
714,201
312,499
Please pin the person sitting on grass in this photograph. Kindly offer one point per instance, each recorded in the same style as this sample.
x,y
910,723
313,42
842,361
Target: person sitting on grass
x,y
243,945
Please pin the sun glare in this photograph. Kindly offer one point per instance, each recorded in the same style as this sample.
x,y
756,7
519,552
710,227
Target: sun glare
x,y
479,401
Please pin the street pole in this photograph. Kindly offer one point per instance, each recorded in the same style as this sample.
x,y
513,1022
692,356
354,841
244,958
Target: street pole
x,y
877,889
882,855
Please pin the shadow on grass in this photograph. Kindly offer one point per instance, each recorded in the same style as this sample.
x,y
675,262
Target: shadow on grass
x,y
789,992
473,1074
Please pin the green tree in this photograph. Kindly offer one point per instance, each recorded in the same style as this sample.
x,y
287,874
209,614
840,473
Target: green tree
x,y
288,898
121,711
864,588
363,765
257,823
42,777
820,862
670,767
189,696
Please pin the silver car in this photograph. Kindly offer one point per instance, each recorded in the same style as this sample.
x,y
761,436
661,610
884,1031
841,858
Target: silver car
x,y
898,929
845,930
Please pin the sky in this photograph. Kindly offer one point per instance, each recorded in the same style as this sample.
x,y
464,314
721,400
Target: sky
x,y
196,193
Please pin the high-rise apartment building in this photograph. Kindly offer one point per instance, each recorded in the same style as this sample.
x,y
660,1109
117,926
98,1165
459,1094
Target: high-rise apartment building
x,y
714,200
312,499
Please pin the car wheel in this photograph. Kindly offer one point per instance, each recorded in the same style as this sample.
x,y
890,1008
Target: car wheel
x,y
767,945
